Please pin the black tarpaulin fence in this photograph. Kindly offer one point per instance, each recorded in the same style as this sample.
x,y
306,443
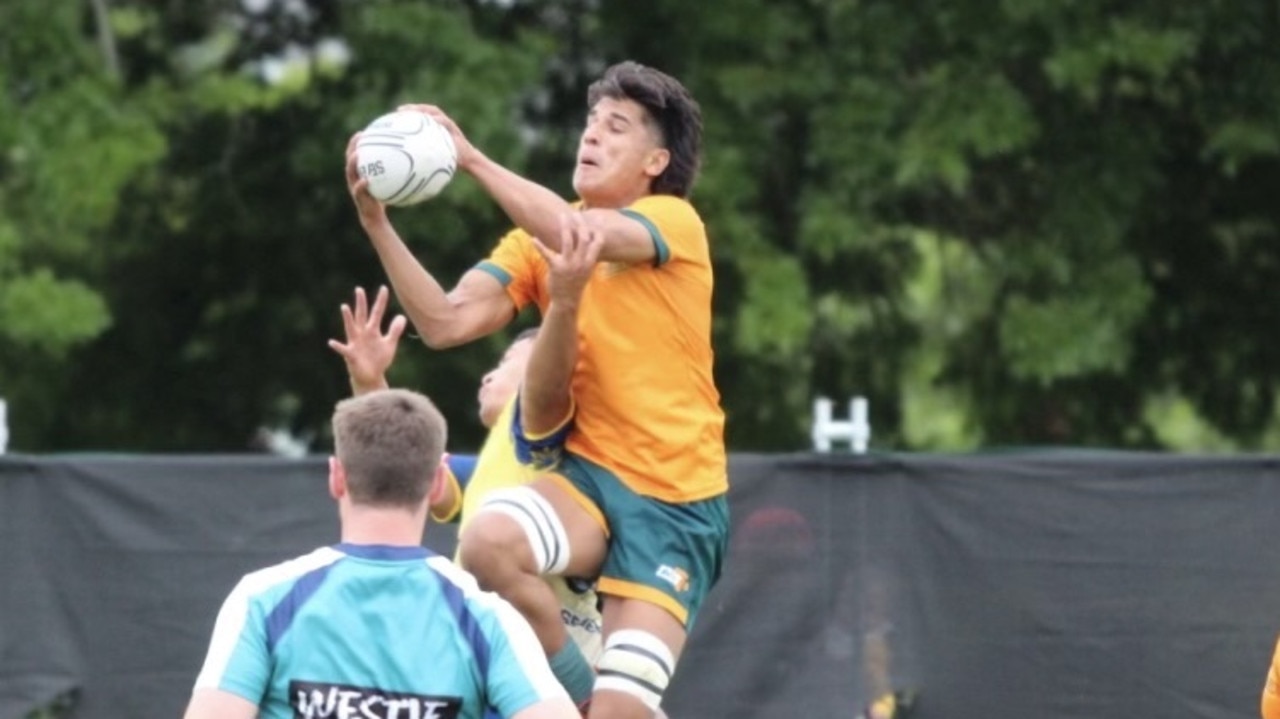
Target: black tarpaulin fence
x,y
1030,585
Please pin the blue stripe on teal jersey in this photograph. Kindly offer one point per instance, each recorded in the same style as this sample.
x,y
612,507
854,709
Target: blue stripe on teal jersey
x,y
467,623
282,614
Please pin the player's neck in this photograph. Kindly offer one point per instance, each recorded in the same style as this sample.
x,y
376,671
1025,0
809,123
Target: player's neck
x,y
615,201
392,527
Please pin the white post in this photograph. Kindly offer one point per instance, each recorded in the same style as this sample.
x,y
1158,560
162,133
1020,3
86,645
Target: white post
x,y
856,430
4,427
821,424
860,431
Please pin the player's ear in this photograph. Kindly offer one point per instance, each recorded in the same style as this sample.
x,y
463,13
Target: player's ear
x,y
656,162
337,478
439,483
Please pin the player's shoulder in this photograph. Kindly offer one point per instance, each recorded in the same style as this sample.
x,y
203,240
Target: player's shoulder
x,y
669,207
464,585
676,228
453,575
287,572
460,580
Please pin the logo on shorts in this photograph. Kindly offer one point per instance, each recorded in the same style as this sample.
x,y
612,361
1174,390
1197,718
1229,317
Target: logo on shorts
x,y
319,700
675,576
543,458
573,620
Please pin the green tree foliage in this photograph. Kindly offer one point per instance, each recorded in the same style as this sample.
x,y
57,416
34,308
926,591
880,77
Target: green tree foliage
x,y
230,252
69,148
1004,221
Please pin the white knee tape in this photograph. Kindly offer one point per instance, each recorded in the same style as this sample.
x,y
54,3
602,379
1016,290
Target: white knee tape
x,y
544,530
635,662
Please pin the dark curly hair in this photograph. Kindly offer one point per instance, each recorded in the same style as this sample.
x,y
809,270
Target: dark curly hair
x,y
672,109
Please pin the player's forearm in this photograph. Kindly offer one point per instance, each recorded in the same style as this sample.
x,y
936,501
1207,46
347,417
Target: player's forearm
x,y
532,207
362,385
421,296
539,211
545,398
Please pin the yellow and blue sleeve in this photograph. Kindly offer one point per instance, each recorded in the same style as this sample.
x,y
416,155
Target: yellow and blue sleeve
x,y
458,470
544,450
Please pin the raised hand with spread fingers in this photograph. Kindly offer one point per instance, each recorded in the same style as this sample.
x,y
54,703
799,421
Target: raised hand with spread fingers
x,y
368,351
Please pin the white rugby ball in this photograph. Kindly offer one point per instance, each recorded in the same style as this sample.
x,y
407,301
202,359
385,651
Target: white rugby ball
x,y
407,157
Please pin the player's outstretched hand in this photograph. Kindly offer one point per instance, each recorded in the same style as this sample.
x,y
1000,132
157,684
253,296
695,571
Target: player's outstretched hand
x,y
368,352
570,269
467,153
372,212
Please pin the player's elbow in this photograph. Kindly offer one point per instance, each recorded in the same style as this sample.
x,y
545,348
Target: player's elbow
x,y
447,335
464,320
1270,698
542,413
441,341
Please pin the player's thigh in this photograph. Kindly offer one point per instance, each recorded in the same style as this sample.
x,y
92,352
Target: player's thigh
x,y
582,522
643,644
495,538
546,527
627,614
668,555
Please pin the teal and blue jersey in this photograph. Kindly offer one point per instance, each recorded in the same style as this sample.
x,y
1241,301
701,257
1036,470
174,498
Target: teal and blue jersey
x,y
374,631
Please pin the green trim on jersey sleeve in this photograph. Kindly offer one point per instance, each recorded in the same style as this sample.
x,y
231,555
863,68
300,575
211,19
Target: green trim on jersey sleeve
x,y
497,272
661,253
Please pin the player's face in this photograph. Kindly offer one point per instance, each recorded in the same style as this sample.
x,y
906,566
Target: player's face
x,y
618,155
500,384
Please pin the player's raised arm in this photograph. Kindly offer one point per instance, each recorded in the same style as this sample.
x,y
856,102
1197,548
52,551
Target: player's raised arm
x,y
610,131
368,352
537,209
546,400
477,306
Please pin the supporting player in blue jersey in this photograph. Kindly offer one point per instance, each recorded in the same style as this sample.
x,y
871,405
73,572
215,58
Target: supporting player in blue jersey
x,y
375,626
